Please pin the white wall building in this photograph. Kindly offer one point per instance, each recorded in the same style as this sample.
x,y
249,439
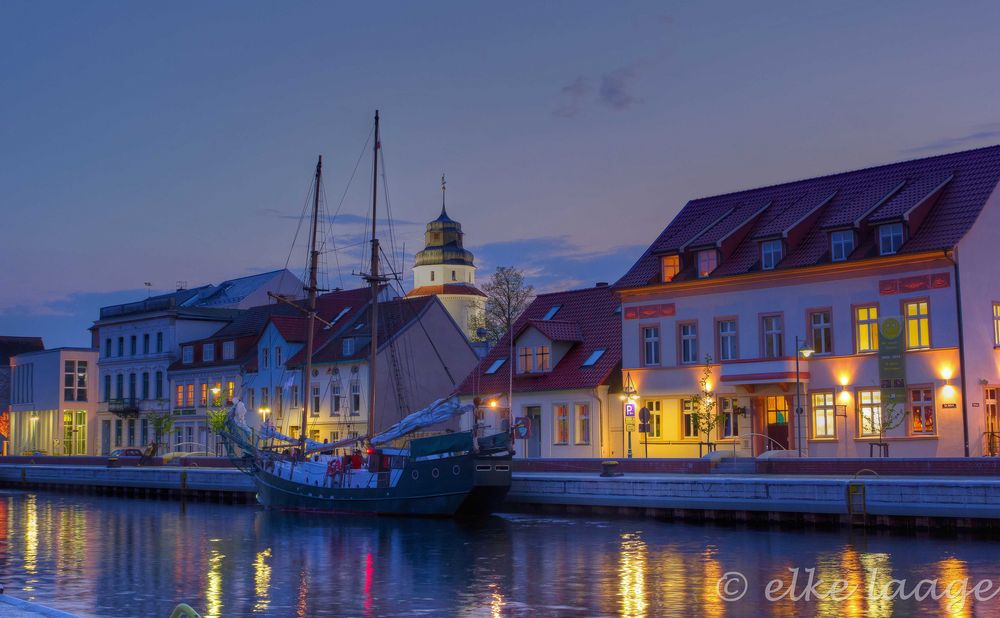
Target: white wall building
x,y
53,402
139,341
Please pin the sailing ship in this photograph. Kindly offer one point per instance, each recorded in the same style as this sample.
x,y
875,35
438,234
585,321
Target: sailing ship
x,y
447,474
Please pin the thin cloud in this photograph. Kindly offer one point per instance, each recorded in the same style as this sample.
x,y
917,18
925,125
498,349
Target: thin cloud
x,y
615,89
982,133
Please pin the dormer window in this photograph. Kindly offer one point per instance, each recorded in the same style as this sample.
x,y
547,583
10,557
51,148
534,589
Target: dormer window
x,y
551,313
890,238
841,245
670,265
770,254
187,355
208,352
525,360
708,260
228,350
543,358
347,347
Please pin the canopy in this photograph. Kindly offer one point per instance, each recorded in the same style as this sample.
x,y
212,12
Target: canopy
x,y
438,412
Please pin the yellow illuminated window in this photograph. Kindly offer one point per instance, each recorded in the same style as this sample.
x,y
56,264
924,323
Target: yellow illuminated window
x,y
870,413
918,325
996,324
670,265
922,411
180,395
866,326
824,420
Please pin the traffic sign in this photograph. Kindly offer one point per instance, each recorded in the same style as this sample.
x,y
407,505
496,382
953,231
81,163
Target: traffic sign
x,y
630,426
644,415
630,409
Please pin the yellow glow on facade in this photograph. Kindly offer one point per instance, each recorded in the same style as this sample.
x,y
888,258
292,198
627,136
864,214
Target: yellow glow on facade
x,y
493,403
948,391
947,373
845,396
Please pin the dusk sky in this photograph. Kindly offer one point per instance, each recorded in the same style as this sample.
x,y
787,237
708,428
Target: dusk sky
x,y
167,142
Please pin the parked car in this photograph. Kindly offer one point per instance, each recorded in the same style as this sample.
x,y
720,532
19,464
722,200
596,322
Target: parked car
x,y
126,452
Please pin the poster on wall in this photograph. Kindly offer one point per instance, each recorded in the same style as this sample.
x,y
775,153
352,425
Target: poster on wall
x,y
891,362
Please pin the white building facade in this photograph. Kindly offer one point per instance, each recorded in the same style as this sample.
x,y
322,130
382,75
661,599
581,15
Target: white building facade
x,y
54,402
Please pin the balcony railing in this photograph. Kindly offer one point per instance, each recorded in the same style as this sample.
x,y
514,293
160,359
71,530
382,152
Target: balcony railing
x,y
124,407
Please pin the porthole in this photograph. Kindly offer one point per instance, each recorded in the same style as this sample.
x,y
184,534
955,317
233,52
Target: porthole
x,y
456,469
415,474
435,473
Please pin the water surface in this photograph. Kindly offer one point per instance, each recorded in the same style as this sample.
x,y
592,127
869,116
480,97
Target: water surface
x,y
101,556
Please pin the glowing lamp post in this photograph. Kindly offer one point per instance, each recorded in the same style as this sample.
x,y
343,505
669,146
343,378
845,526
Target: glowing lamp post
x,y
629,395
805,350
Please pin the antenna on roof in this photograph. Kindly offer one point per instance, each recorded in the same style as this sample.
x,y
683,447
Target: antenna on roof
x,y
181,285
148,285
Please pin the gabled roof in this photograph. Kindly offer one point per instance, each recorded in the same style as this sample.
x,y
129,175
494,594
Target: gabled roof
x,y
594,311
12,346
946,191
336,307
463,289
555,330
394,316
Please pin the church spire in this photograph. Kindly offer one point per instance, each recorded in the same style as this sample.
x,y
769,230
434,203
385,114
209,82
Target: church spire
x,y
444,213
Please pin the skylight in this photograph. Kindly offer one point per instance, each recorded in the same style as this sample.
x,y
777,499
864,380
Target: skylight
x,y
342,313
496,365
551,312
593,358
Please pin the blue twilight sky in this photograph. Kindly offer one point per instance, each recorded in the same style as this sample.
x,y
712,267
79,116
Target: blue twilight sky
x,y
169,142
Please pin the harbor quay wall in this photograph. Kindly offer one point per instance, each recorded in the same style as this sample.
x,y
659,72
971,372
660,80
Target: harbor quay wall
x,y
866,499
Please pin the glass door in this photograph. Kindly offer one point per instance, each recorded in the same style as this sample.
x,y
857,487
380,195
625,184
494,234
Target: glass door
x,y
776,409
74,432
992,446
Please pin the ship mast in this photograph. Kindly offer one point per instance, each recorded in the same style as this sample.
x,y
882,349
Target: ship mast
x,y
374,280
311,305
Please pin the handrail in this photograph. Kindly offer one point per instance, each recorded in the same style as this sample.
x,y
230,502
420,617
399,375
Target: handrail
x,y
184,610
766,437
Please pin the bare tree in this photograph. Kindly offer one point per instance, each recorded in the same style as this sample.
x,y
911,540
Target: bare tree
x,y
506,297
890,415
704,409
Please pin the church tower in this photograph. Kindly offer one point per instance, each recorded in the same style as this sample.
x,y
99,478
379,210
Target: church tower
x,y
444,268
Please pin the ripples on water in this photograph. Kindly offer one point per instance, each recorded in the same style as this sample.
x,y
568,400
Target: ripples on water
x,y
123,557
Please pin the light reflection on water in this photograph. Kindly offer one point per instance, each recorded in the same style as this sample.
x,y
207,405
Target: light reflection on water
x,y
119,557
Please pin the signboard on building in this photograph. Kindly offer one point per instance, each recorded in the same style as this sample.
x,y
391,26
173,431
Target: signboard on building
x,y
522,428
892,361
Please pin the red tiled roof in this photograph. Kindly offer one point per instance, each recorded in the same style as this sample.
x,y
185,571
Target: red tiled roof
x,y
447,288
594,311
555,330
942,194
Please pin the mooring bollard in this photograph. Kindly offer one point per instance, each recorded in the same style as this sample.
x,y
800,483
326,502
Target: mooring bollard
x,y
610,468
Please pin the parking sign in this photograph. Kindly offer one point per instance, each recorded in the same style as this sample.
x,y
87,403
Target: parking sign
x,y
629,409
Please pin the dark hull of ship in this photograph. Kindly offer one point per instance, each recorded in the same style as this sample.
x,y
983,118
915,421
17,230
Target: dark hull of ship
x,y
451,486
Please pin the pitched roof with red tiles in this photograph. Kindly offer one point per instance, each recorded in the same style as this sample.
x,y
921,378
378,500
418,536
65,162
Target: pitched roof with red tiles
x,y
595,314
939,198
556,330
394,316
461,289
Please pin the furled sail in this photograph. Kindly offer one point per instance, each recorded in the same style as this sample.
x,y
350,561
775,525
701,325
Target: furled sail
x,y
438,412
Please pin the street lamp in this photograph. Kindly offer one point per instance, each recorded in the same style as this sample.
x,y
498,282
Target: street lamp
x,y
805,350
630,395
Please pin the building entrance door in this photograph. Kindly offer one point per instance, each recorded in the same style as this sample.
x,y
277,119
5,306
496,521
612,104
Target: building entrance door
x,y
105,438
992,436
535,441
776,418
74,432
